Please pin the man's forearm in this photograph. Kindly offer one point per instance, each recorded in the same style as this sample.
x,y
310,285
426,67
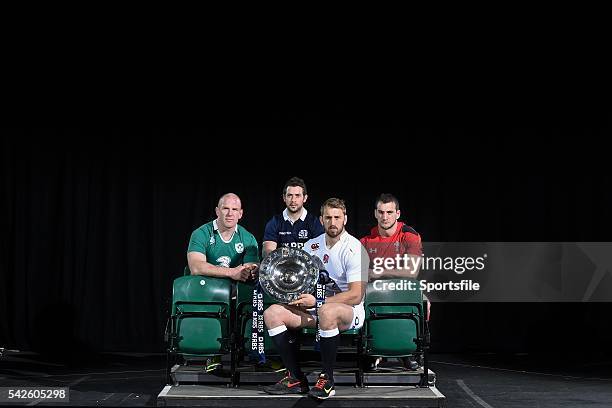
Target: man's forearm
x,y
268,246
206,269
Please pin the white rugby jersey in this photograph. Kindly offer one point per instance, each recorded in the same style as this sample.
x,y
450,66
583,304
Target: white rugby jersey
x,y
347,261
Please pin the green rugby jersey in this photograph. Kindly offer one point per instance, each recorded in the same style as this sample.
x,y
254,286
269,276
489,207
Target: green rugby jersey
x,y
242,248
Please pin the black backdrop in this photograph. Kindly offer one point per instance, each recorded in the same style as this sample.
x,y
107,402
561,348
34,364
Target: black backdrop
x,y
95,229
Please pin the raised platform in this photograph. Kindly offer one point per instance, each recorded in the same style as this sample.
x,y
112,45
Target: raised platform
x,y
389,373
391,385
346,396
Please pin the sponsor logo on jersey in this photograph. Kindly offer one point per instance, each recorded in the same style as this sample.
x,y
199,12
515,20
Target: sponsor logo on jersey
x,y
239,247
314,246
211,241
284,232
294,244
303,234
224,261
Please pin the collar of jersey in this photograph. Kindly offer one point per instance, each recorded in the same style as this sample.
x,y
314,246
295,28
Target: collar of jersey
x,y
302,217
343,238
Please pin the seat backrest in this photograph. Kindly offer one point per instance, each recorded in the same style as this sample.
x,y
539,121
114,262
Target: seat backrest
x,y
201,308
387,304
200,289
398,291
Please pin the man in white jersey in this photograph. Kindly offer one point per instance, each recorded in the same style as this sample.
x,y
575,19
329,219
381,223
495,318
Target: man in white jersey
x,y
346,262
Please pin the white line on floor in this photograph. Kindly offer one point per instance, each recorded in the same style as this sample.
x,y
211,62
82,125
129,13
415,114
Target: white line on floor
x,y
472,395
107,397
123,400
78,380
522,371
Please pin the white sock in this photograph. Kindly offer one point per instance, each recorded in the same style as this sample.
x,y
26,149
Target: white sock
x,y
278,330
329,333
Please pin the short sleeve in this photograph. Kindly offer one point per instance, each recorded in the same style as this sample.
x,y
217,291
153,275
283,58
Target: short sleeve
x,y
371,255
357,262
251,250
271,231
199,241
412,244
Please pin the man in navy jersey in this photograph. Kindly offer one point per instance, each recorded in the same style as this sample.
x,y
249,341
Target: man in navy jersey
x,y
291,228
294,225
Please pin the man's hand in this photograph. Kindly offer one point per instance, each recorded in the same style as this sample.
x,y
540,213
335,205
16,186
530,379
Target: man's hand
x,y
372,276
305,300
253,269
239,273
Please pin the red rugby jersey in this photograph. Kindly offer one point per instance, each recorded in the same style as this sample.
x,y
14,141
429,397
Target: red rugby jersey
x,y
405,241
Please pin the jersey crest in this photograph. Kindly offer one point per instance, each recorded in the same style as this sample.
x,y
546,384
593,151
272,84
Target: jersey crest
x,y
224,261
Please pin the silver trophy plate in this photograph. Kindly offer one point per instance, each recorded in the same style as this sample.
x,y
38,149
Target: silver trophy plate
x,y
286,273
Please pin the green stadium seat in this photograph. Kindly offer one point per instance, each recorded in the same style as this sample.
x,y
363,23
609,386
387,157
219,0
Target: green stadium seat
x,y
394,320
200,316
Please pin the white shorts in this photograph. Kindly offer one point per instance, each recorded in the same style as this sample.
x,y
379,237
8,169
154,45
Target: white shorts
x,y
358,316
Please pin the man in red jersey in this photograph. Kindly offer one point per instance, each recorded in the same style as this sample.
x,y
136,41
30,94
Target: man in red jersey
x,y
395,250
392,239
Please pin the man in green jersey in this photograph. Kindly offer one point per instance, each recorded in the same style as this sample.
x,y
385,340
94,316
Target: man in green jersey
x,y
222,248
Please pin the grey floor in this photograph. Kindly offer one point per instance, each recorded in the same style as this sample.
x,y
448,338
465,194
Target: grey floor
x,y
478,380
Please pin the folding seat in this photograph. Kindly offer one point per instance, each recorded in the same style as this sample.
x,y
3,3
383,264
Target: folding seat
x,y
395,323
200,320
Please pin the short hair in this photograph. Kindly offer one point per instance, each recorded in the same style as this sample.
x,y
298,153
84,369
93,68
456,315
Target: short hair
x,y
228,195
387,198
334,203
294,182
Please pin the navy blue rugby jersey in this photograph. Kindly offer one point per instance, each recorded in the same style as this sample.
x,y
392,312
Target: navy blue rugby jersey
x,y
280,229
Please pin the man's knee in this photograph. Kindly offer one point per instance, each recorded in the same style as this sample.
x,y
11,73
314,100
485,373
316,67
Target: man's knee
x,y
329,316
273,315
